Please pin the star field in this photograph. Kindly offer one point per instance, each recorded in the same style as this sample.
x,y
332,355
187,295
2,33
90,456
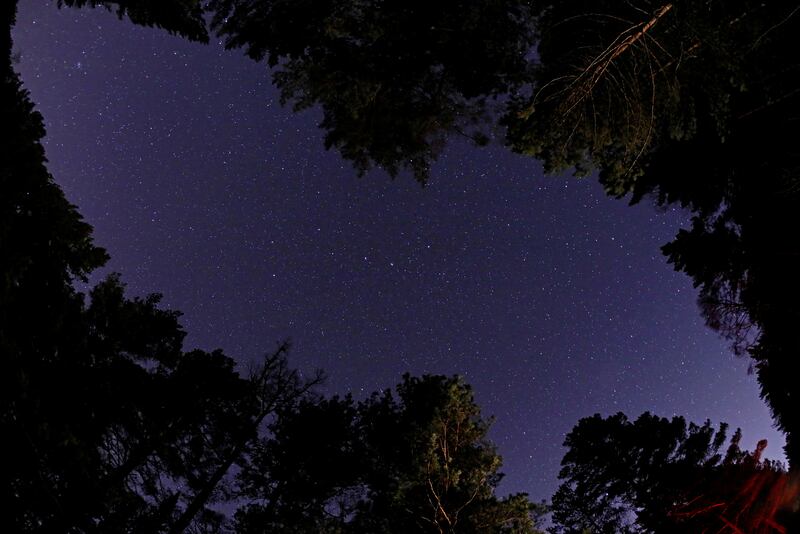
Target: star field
x,y
551,299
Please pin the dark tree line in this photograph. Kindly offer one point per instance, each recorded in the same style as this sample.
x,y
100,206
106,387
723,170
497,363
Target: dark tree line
x,y
682,102
419,461
663,475
108,425
111,426
179,17
690,103
393,78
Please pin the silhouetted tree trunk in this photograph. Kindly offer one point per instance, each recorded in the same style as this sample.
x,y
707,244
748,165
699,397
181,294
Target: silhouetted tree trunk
x,y
277,387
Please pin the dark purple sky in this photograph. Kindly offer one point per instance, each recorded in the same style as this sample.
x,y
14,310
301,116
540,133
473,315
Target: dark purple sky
x,y
552,300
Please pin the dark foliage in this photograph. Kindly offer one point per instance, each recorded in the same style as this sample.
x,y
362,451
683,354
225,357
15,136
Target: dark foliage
x,y
108,425
418,463
181,17
393,78
662,476
111,427
685,102
691,103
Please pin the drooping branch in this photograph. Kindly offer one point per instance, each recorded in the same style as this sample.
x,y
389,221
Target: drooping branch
x,y
581,87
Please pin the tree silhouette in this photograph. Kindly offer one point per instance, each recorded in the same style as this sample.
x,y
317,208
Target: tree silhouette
x,y
660,475
306,475
416,463
682,102
44,245
181,17
689,103
108,425
393,78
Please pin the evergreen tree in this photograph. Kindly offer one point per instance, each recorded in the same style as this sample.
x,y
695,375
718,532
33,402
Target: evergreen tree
x,y
419,462
108,425
691,103
661,475
393,78
683,102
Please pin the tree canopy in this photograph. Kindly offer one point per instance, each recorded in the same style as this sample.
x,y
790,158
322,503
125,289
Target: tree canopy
x,y
689,103
418,462
111,426
663,475
681,102
182,17
108,425
393,78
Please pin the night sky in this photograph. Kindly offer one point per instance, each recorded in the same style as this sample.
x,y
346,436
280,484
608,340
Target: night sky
x,y
551,299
